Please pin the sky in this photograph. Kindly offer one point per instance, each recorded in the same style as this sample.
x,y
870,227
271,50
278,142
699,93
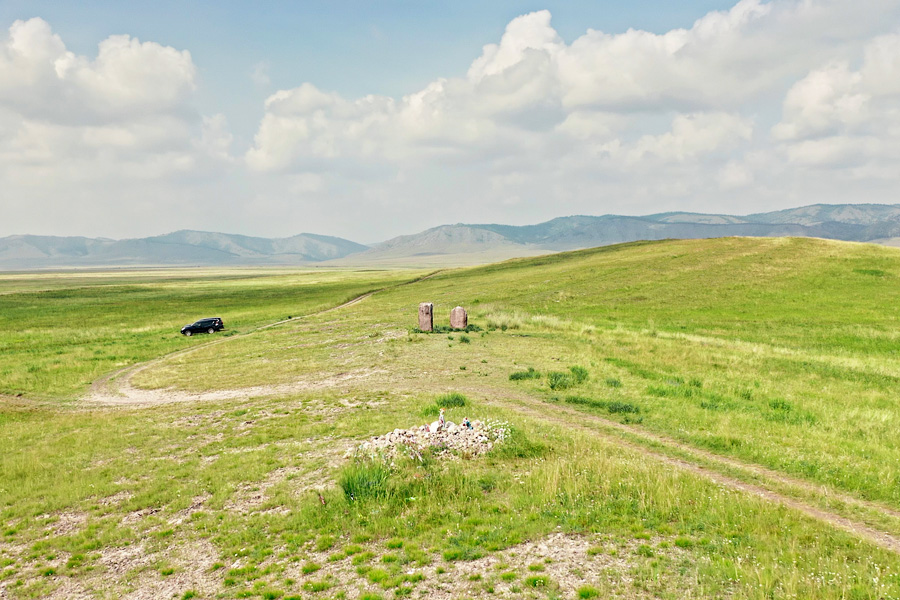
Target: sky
x,y
368,120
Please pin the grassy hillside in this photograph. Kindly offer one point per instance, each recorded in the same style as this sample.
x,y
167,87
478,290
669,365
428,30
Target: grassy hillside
x,y
779,351
699,419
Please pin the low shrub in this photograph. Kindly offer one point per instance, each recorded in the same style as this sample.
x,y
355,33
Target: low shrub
x,y
559,381
464,552
522,375
451,400
586,401
364,480
579,373
622,407
611,407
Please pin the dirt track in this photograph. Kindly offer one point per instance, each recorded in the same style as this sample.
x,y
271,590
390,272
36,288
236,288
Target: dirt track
x,y
579,420
116,390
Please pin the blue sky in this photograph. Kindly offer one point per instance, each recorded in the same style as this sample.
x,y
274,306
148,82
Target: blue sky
x,y
373,119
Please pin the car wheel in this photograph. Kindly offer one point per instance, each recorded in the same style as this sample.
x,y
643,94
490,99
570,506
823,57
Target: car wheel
x,y
210,330
189,333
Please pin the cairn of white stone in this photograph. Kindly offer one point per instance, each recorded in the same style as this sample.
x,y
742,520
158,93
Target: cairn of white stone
x,y
426,316
459,318
449,437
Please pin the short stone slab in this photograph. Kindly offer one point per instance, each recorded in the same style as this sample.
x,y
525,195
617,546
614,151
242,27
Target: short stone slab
x,y
459,318
426,316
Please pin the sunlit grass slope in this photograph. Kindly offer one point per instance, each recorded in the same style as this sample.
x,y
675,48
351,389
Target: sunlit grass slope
x,y
782,352
793,291
226,493
776,352
58,332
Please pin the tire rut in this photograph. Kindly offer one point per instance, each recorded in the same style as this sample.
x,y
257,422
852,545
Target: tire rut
x,y
878,537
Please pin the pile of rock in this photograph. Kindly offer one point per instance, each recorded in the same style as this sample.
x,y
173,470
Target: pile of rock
x,y
447,441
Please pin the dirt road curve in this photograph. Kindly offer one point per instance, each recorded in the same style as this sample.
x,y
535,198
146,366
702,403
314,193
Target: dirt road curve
x,y
115,389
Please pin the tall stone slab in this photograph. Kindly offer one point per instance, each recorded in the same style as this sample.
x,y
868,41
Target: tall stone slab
x,y
426,316
459,318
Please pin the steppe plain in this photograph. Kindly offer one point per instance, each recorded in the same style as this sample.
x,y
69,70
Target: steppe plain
x,y
683,419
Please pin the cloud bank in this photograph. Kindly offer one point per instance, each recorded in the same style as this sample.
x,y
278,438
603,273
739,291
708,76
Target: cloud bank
x,y
766,105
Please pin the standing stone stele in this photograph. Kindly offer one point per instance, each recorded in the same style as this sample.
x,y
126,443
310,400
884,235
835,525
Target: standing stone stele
x,y
459,318
426,316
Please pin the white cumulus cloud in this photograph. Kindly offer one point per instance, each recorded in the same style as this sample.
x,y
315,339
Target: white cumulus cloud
x,y
767,104
92,139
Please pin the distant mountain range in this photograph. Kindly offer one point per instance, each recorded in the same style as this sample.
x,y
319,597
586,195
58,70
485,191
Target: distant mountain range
x,y
450,244
472,244
180,248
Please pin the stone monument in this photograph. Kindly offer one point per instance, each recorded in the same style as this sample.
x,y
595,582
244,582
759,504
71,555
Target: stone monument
x,y
459,318
426,316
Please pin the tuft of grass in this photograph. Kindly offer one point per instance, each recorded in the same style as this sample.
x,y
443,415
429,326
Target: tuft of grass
x,y
579,373
364,480
622,407
537,581
451,400
530,373
586,591
317,586
558,380
324,542
462,553
612,407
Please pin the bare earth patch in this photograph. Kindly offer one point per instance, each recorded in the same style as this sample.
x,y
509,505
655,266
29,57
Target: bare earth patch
x,y
120,392
560,562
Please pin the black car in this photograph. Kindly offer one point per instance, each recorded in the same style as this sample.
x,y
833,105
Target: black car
x,y
210,325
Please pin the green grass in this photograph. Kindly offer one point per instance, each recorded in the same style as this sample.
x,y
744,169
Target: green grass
x,y
775,352
59,332
451,400
529,373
